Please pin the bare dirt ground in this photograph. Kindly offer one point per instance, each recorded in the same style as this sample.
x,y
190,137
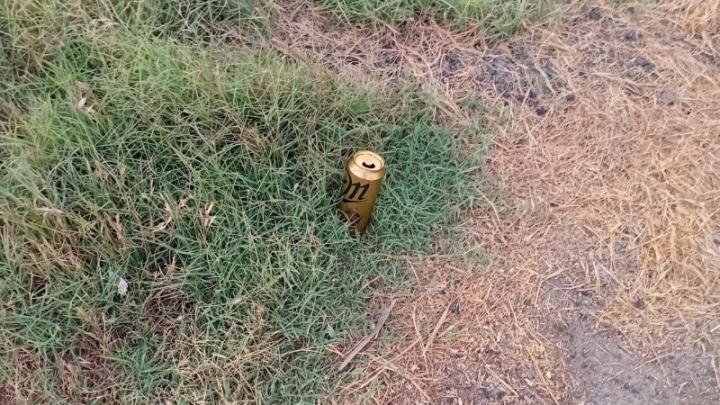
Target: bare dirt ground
x,y
603,279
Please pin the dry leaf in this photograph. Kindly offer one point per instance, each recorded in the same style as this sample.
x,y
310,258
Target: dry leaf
x,y
49,211
75,261
170,214
118,227
82,93
103,23
170,269
207,219
163,225
86,316
330,331
122,287
100,170
183,202
166,222
81,102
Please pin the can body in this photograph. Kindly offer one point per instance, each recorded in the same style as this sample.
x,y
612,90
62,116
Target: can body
x,y
364,173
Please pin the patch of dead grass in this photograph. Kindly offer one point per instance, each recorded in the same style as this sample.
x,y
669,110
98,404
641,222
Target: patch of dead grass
x,y
432,54
476,333
698,16
634,161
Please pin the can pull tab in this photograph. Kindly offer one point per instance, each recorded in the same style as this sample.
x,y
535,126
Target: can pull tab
x,y
369,165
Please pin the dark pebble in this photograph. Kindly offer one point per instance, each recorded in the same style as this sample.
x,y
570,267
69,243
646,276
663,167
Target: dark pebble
x,y
541,111
640,304
491,352
489,393
677,36
549,69
455,307
520,53
352,60
595,14
346,152
668,97
686,108
453,63
560,328
631,36
632,90
570,98
642,62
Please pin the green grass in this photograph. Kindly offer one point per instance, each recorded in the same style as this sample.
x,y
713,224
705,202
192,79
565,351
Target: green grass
x,y
115,186
498,18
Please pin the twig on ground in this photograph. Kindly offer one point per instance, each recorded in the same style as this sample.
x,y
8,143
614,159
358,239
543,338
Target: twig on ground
x,y
545,382
439,323
368,338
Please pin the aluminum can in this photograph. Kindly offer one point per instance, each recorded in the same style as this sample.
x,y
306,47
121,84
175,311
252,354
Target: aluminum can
x,y
364,173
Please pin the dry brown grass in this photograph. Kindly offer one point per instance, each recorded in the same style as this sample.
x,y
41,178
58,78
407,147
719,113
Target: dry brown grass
x,y
423,50
608,146
698,16
640,173
477,333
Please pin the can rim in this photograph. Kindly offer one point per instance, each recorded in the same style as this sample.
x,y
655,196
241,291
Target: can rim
x,y
368,160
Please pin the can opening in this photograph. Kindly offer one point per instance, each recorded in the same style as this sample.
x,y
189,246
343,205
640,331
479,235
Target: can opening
x,y
369,161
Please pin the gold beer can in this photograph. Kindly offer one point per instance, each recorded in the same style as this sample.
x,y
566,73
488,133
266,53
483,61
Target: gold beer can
x,y
364,173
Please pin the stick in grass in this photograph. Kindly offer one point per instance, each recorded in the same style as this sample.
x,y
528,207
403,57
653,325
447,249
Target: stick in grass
x,y
372,335
439,323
